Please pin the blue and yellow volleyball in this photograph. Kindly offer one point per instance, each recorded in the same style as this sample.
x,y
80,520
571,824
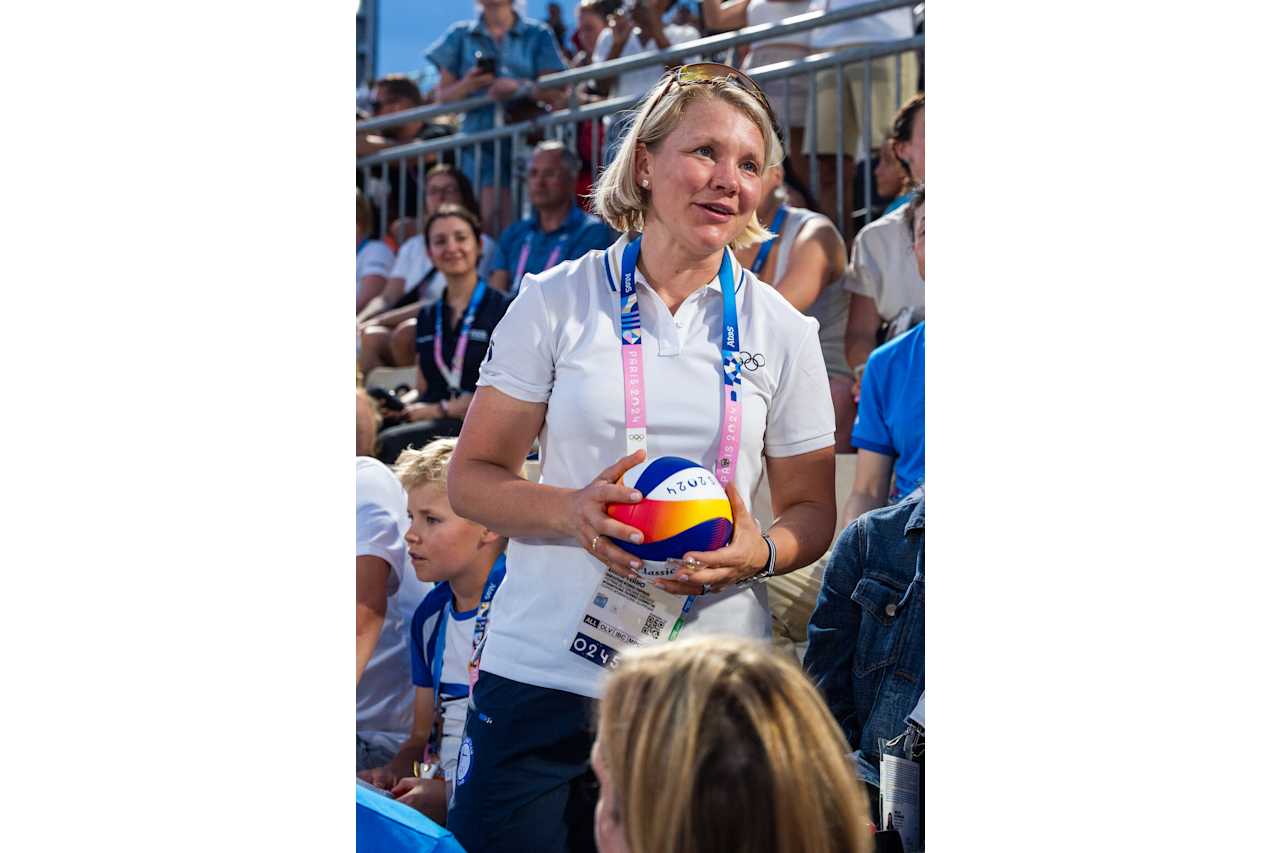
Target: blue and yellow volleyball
x,y
684,509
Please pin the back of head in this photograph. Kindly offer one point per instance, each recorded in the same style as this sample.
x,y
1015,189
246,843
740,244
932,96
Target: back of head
x,y
367,424
400,86
738,742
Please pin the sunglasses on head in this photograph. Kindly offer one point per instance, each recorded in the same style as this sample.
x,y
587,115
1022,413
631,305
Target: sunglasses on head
x,y
714,72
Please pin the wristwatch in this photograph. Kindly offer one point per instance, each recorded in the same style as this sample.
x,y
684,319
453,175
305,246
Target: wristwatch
x,y
769,567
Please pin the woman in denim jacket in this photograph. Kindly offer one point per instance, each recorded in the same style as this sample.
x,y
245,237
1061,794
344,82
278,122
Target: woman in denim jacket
x,y
866,635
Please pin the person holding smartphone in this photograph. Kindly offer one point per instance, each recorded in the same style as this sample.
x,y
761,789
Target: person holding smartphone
x,y
500,53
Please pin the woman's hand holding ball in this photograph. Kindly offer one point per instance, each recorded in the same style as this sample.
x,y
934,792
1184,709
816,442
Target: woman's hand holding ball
x,y
591,525
746,554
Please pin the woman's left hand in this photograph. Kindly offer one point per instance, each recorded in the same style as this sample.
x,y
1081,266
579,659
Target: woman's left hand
x,y
745,555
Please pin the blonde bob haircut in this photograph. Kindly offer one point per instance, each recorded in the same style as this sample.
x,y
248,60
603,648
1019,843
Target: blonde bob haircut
x,y
618,198
739,740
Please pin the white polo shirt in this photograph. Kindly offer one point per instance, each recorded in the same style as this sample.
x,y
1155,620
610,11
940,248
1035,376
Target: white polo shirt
x,y
559,343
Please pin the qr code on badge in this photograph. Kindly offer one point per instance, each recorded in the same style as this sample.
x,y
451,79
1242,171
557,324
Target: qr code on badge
x,y
653,626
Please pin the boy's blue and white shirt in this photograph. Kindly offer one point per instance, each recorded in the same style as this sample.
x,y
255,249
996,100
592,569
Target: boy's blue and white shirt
x,y
459,635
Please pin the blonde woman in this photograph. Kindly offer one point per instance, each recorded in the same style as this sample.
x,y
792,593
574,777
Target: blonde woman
x,y
738,746
733,379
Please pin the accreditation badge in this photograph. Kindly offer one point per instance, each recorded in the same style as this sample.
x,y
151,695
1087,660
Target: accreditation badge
x,y
625,612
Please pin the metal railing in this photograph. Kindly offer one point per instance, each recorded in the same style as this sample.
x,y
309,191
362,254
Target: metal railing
x,y
709,44
563,124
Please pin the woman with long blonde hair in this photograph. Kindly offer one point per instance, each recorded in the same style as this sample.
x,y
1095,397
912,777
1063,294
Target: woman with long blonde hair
x,y
737,747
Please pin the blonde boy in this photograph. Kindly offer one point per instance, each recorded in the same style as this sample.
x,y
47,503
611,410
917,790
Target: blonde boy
x,y
467,564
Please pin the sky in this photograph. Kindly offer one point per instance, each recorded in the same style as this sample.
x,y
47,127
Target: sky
x,y
408,27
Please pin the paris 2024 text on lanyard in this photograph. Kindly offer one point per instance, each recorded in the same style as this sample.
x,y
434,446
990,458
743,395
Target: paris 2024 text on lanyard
x,y
625,611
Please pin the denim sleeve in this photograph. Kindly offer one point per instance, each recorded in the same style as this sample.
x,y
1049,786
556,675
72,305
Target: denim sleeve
x,y
546,57
833,630
446,53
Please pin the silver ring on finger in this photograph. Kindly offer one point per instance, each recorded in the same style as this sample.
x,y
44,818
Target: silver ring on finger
x,y
706,589
595,540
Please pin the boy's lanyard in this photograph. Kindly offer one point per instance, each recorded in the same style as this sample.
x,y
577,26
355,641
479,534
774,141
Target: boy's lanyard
x,y
633,365
477,642
482,619
776,227
360,246
453,375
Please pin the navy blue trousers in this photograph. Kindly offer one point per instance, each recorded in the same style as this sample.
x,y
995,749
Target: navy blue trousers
x,y
524,779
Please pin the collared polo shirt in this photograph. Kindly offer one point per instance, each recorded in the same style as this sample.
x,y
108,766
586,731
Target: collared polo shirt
x,y
560,344
891,410
526,51
578,234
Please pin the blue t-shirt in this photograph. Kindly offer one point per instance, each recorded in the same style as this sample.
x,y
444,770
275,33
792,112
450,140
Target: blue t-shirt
x,y
578,234
891,409
386,826
527,51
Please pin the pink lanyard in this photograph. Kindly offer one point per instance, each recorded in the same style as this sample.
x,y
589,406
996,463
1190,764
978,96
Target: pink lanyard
x,y
552,259
453,375
633,365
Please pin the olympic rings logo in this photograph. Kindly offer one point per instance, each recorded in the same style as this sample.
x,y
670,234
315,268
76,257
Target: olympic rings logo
x,y
751,362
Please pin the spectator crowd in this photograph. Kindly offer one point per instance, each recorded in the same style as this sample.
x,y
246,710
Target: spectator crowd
x,y
495,286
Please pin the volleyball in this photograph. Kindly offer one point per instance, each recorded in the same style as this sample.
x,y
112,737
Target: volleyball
x,y
683,508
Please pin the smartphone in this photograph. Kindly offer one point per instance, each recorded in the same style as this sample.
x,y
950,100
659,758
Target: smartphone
x,y
486,64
